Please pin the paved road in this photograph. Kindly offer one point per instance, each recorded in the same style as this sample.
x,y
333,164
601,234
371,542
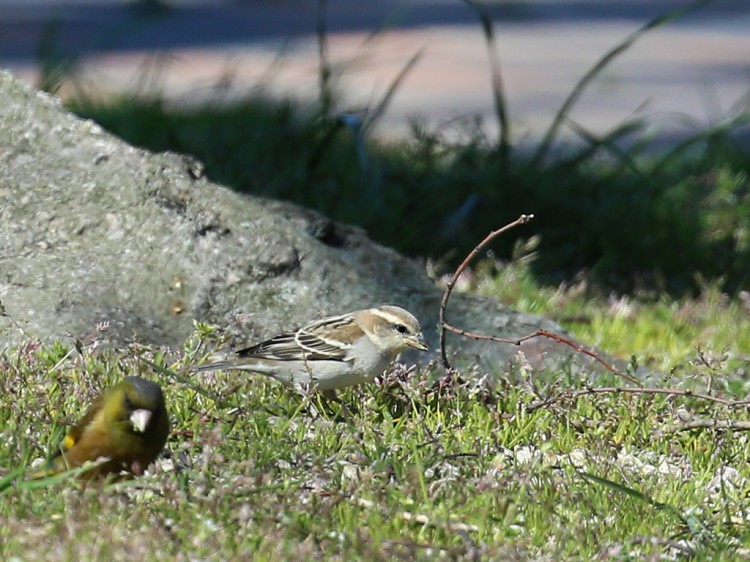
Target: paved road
x,y
691,73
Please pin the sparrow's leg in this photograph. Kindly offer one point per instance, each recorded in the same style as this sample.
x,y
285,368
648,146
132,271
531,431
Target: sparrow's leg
x,y
330,394
345,411
311,397
308,397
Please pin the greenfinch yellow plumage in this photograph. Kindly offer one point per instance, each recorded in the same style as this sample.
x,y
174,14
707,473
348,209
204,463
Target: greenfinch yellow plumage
x,y
127,425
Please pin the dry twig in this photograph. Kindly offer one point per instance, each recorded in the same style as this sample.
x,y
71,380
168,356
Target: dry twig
x,y
728,425
446,327
523,219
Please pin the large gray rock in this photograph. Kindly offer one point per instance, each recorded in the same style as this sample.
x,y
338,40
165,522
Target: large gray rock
x,y
93,230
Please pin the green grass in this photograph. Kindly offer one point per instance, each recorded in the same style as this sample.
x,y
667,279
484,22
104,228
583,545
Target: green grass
x,y
416,473
475,471
659,331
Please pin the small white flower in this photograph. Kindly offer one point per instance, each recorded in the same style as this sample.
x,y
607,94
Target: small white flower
x,y
726,479
527,455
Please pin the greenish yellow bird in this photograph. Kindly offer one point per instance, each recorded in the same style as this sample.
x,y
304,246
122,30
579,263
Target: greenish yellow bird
x,y
127,425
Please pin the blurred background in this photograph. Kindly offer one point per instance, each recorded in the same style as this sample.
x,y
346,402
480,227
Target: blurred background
x,y
692,72
621,124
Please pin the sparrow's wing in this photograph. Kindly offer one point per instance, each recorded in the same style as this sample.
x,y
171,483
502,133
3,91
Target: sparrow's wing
x,y
324,340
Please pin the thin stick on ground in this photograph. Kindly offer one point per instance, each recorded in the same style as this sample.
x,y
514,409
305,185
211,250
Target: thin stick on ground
x,y
574,394
722,425
5,314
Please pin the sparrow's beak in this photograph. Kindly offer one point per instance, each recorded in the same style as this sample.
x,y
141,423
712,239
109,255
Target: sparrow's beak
x,y
140,418
418,342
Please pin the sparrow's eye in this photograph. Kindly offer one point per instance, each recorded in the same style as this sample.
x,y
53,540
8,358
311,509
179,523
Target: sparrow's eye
x,y
401,329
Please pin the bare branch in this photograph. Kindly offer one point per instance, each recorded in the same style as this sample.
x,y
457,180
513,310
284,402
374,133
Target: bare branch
x,y
544,333
732,425
446,327
523,219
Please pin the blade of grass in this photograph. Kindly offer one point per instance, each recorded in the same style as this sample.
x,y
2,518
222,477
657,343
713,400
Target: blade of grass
x,y
598,67
8,479
36,482
56,66
498,92
695,526
324,63
169,373
374,115
722,128
609,143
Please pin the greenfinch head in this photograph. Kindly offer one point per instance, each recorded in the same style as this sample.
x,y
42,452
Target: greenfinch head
x,y
126,428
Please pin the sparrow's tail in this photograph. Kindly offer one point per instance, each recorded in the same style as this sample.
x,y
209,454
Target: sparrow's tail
x,y
215,366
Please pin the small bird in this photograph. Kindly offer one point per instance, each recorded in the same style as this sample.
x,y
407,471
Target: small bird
x,y
334,352
127,424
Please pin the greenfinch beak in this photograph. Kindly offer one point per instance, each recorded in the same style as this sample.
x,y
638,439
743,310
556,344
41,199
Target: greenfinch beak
x,y
140,418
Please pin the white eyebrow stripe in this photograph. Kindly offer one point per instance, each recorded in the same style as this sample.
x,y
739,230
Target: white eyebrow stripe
x,y
388,317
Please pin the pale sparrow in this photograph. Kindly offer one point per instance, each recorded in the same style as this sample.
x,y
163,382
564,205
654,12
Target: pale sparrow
x,y
334,352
